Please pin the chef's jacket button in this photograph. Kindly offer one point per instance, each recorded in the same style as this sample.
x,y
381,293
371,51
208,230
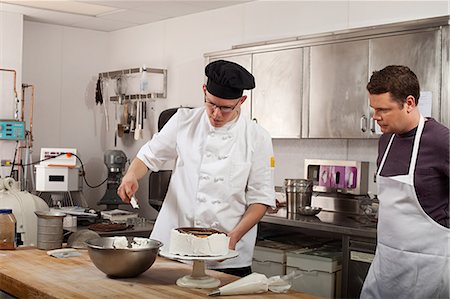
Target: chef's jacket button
x,y
218,179
215,201
222,157
208,155
212,134
204,177
215,224
198,222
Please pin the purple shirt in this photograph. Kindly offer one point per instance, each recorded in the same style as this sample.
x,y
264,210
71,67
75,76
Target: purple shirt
x,y
431,178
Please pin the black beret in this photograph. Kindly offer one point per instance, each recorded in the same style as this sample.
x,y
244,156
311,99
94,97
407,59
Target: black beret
x,y
227,80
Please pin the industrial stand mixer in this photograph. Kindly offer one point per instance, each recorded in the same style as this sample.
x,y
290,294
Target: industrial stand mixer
x,y
115,161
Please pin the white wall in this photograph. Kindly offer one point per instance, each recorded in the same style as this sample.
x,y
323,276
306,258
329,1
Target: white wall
x,y
10,58
62,62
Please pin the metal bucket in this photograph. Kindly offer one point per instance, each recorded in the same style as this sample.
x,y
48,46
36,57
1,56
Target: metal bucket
x,y
298,194
49,229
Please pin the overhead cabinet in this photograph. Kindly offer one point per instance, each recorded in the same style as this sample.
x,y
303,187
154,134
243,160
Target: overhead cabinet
x,y
337,94
421,52
275,103
315,86
339,72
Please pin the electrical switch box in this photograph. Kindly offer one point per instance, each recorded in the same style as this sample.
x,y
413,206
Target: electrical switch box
x,y
12,130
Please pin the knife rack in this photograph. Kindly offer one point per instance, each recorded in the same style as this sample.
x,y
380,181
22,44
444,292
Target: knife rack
x,y
114,75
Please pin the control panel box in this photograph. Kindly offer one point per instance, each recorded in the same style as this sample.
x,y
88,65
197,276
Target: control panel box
x,y
350,177
58,156
12,130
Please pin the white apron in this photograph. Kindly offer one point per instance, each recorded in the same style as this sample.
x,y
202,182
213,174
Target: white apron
x,y
412,259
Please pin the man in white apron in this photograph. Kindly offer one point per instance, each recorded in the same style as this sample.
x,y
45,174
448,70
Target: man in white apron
x,y
412,259
223,175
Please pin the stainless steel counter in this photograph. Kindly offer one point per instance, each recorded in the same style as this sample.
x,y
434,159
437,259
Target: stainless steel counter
x,y
340,223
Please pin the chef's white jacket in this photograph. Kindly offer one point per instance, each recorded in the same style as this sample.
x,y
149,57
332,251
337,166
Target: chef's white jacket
x,y
219,172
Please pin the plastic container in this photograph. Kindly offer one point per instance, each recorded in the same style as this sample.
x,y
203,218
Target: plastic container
x,y
321,270
269,257
8,229
50,230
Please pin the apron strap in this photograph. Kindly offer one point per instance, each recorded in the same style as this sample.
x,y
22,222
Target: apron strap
x,y
385,154
415,152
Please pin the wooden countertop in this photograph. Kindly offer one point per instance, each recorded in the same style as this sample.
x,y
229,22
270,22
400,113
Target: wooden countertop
x,y
31,273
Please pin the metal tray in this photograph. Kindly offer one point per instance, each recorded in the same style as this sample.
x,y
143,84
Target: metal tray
x,y
309,211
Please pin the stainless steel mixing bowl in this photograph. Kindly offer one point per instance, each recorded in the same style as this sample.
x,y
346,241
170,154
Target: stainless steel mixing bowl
x,y
122,262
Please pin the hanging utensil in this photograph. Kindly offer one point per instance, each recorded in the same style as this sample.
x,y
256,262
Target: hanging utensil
x,y
121,88
105,97
98,91
141,123
132,117
137,130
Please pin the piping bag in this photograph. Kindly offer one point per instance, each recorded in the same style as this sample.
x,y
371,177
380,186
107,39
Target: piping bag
x,y
256,283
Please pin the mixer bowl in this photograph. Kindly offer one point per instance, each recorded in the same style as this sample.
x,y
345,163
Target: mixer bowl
x,y
122,262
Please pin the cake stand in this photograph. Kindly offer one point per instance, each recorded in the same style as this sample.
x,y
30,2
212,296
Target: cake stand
x,y
198,277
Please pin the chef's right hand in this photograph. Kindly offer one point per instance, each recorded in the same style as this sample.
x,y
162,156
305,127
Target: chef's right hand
x,y
128,187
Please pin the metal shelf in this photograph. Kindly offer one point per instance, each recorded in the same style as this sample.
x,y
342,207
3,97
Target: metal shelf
x,y
137,97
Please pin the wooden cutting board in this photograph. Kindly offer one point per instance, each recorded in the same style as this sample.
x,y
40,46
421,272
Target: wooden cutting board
x,y
31,273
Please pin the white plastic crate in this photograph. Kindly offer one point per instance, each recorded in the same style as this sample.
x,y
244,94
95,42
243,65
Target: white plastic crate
x,y
269,257
321,269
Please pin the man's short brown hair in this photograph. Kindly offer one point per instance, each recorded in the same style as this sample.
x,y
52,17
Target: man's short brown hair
x,y
399,80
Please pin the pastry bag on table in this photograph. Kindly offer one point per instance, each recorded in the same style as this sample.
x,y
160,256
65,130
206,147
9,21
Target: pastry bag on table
x,y
251,284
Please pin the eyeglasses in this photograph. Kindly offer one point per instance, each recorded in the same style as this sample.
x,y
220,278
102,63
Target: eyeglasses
x,y
223,109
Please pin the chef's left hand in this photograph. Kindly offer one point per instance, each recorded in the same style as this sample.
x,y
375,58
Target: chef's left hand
x,y
233,240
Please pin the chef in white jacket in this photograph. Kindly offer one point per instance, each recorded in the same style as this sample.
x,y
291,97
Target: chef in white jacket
x,y
223,176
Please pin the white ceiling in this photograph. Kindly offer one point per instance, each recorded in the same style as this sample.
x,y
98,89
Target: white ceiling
x,y
109,15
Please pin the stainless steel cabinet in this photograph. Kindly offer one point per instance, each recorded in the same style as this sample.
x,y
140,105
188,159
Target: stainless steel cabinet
x,y
276,103
337,90
420,51
315,86
338,100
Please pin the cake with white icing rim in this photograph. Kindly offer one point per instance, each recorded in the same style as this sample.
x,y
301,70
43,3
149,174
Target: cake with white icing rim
x,y
195,241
